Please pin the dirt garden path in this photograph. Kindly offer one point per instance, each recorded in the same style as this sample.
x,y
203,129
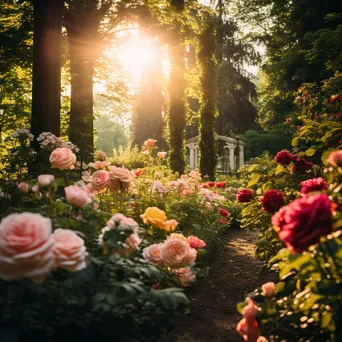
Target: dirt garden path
x,y
213,315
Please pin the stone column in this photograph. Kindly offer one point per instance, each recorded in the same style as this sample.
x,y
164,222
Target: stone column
x,y
241,157
192,157
232,157
196,157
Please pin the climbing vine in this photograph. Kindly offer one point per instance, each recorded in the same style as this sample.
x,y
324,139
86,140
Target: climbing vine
x,y
208,110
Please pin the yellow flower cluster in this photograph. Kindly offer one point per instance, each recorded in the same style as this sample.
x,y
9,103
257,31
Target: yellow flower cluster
x,y
158,219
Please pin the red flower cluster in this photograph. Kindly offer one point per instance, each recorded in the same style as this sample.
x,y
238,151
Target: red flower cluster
x,y
220,184
244,195
301,166
314,184
301,223
211,184
222,221
272,201
224,212
284,157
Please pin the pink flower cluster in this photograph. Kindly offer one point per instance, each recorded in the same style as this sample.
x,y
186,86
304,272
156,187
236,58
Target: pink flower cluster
x,y
132,242
29,249
314,184
175,252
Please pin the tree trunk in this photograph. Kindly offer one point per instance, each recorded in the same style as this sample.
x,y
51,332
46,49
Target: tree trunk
x,y
81,130
46,79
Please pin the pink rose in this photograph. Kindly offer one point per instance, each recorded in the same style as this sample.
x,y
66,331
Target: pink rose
x,y
152,253
132,242
175,253
25,247
301,223
195,242
124,175
101,155
69,250
99,180
77,196
185,276
150,142
160,188
45,180
268,289
192,255
62,158
161,155
23,187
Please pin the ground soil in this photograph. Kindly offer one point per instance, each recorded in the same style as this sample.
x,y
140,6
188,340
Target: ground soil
x,y
213,316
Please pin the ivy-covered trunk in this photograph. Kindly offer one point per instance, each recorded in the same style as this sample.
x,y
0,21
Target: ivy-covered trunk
x,y
46,74
81,131
208,110
177,106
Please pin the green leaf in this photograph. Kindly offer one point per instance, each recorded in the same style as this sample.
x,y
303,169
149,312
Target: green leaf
x,y
280,168
254,179
295,141
310,152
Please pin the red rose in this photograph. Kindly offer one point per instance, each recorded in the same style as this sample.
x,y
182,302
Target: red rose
x,y
244,196
204,186
223,212
301,166
284,157
220,184
272,201
301,223
314,184
211,184
222,221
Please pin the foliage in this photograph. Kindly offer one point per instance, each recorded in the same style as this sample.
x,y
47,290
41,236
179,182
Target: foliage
x,y
256,143
208,110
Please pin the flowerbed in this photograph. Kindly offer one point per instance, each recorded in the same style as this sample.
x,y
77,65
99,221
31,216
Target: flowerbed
x,y
92,251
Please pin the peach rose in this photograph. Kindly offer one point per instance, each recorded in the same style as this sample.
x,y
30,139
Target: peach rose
x,y
179,237
262,339
45,180
248,330
268,289
25,247
195,242
155,217
99,180
77,196
185,276
175,253
152,253
101,155
170,225
250,310
335,159
62,158
69,250
23,187
161,155
150,142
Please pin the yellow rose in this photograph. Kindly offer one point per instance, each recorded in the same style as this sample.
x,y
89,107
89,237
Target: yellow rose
x,y
170,226
155,217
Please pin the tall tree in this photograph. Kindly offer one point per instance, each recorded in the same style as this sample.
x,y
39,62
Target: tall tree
x,y
46,74
208,110
83,19
177,103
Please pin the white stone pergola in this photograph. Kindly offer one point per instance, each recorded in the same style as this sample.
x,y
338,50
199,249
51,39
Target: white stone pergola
x,y
230,144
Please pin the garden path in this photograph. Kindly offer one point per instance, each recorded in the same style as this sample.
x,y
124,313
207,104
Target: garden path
x,y
213,316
